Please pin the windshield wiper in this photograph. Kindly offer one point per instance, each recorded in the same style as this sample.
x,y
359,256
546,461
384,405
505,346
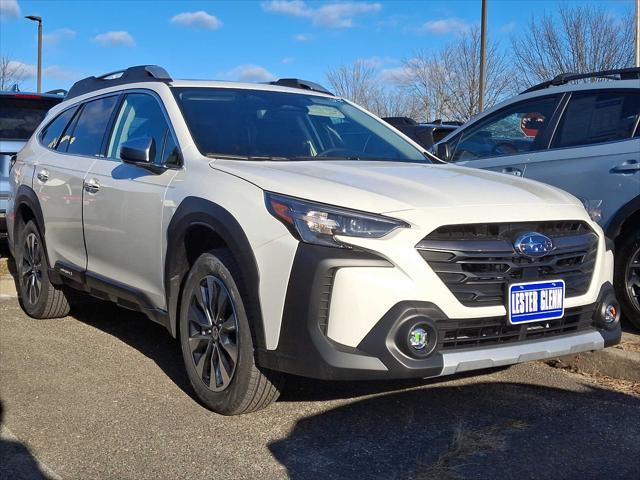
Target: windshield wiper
x,y
322,157
255,158
366,159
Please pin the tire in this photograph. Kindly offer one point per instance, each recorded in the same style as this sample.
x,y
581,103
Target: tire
x,y
39,298
627,276
216,342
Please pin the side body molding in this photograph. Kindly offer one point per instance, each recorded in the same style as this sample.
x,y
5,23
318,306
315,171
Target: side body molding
x,y
197,212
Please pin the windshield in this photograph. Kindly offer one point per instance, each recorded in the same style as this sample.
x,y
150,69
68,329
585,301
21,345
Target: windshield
x,y
267,125
19,117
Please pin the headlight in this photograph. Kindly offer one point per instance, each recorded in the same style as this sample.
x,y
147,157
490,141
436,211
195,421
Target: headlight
x,y
319,224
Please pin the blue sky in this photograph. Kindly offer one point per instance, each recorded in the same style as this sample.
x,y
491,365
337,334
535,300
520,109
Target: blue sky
x,y
244,39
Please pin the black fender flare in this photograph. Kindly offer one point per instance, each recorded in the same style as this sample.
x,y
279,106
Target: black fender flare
x,y
26,196
194,211
615,225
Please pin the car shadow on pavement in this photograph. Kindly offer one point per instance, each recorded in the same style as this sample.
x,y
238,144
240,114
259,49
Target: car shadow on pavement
x,y
137,331
485,430
16,460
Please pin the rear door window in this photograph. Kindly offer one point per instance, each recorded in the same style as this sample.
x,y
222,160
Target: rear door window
x,y
592,118
21,114
89,131
52,133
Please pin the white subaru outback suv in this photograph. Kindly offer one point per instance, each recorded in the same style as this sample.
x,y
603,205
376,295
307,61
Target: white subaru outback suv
x,y
275,228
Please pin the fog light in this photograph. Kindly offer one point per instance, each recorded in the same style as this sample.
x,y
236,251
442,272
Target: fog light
x,y
418,338
610,313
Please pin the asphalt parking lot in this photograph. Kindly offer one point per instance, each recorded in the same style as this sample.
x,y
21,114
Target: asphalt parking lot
x,y
102,394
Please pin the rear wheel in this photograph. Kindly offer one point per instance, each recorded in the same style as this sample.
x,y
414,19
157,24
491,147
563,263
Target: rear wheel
x,y
38,296
627,276
216,342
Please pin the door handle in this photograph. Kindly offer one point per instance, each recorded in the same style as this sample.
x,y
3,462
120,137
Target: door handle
x,y
627,167
92,186
43,175
512,171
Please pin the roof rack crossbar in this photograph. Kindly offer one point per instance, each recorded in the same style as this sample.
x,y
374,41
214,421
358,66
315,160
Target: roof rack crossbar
x,y
564,78
299,83
139,73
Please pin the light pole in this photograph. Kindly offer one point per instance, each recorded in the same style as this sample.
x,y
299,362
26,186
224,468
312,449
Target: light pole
x,y
39,20
637,33
483,55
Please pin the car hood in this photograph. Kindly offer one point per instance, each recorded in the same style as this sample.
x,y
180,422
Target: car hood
x,y
384,187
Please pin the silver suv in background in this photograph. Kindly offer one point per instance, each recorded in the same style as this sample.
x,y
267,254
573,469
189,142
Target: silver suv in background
x,y
20,115
583,138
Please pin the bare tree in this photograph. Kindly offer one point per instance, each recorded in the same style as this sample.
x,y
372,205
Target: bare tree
x,y
360,83
447,81
424,78
355,81
11,73
581,39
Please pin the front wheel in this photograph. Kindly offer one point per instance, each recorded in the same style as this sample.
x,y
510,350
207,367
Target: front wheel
x,y
216,342
627,276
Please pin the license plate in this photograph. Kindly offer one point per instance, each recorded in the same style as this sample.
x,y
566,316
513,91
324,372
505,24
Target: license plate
x,y
535,301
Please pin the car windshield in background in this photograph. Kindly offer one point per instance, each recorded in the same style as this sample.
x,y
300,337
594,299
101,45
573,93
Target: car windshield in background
x,y
21,115
286,126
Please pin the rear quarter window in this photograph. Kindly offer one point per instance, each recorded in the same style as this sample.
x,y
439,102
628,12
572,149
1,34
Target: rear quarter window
x,y
52,133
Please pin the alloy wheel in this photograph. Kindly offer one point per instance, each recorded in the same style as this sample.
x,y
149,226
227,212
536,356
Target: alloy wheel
x,y
633,278
213,333
31,268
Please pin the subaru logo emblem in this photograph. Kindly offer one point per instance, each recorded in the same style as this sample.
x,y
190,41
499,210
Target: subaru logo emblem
x,y
533,244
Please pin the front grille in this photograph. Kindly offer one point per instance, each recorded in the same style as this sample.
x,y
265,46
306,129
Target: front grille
x,y
477,262
459,334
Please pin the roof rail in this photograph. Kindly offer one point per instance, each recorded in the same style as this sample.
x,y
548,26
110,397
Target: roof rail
x,y
299,83
564,78
139,73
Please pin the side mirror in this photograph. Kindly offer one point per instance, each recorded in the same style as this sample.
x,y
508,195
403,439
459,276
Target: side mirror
x,y
443,151
141,152
138,150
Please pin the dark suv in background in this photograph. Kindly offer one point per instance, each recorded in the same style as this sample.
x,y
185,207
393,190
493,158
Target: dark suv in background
x,y
426,134
20,115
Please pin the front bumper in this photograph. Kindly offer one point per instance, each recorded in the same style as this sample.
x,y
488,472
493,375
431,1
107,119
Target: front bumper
x,y
305,347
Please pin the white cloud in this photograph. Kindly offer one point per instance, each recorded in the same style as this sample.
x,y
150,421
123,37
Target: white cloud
x,y
27,70
332,15
377,62
393,21
9,9
508,27
395,76
302,37
444,26
112,39
287,60
199,19
248,73
58,36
